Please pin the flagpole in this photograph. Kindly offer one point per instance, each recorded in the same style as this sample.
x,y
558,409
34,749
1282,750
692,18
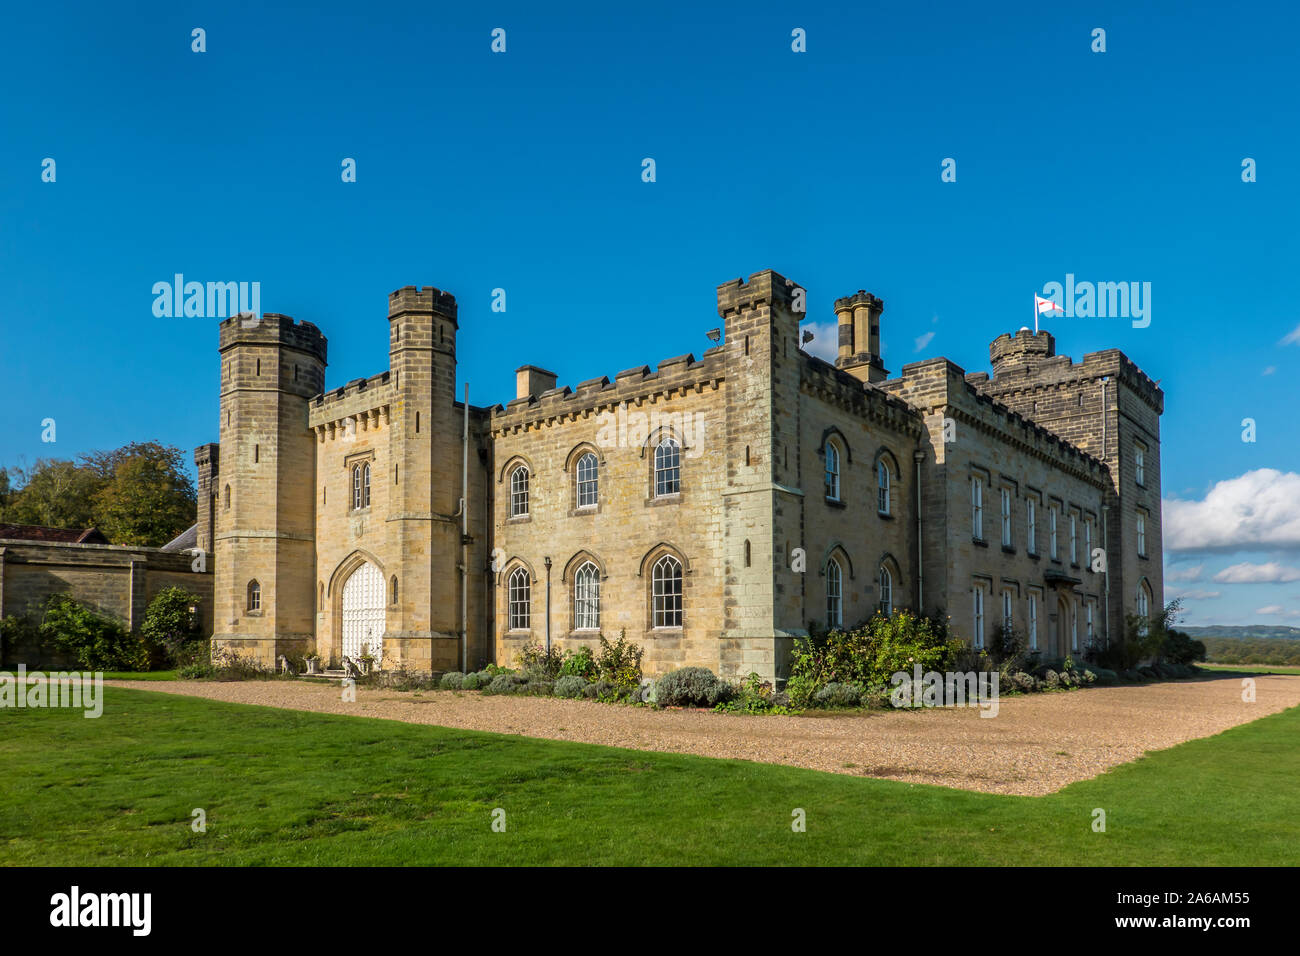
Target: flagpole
x,y
1035,314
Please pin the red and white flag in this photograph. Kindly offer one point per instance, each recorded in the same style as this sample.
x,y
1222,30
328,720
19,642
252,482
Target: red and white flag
x,y
1042,305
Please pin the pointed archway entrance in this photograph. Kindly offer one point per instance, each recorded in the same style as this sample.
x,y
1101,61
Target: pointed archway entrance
x,y
363,613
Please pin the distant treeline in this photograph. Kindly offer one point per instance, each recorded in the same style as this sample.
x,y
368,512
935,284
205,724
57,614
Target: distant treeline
x,y
1253,630
1251,650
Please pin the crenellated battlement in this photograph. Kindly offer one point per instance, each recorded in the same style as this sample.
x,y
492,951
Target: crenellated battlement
x,y
410,299
766,288
273,329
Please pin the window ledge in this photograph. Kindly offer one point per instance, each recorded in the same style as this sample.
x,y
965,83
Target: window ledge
x,y
835,503
1008,549
885,515
979,542
519,519
658,501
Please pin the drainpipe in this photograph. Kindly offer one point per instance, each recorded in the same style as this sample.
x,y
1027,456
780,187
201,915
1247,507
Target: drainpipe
x,y
548,604
920,561
464,540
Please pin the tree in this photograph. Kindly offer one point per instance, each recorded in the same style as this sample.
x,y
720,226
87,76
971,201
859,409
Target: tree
x,y
148,499
55,493
138,494
172,622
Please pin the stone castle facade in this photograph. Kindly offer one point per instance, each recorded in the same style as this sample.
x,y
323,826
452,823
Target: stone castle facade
x,y
710,510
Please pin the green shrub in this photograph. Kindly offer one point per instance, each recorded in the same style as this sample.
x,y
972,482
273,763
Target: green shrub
x,y
570,686
95,642
619,663
581,663
537,662
687,687
506,684
539,688
20,630
869,654
172,623
600,690
451,680
1180,648
838,695
472,682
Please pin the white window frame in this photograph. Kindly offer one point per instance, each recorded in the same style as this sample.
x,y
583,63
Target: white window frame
x,y
1033,620
1142,534
883,479
1052,541
1031,527
668,468
977,507
519,497
832,453
834,594
977,624
668,603
1074,538
1139,464
1008,611
586,597
1006,517
519,599
1074,624
886,582
587,475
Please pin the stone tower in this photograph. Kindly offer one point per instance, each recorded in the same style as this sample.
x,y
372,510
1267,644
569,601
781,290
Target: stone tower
x,y
425,448
1108,407
763,600
858,316
206,463
264,529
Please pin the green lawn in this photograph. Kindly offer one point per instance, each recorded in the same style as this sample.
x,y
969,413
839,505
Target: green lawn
x,y
1249,668
290,788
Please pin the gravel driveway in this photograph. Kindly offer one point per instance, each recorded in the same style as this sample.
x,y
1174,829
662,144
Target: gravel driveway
x,y
1036,744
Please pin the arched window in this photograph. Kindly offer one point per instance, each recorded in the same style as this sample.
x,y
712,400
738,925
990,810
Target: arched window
x,y
834,594
520,599
666,592
1143,607
668,467
254,596
519,492
356,487
365,485
587,481
227,502
832,453
393,587
882,486
586,597
886,591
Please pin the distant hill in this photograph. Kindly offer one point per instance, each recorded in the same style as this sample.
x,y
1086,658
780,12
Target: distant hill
x,y
1250,632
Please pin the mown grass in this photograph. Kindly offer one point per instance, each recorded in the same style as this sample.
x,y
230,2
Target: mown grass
x,y
1248,669
282,787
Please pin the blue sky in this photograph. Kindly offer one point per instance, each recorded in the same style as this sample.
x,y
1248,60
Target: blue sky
x,y
522,171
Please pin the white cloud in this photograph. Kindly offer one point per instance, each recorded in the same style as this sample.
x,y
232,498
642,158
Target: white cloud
x,y
1186,574
1276,610
1268,573
1292,337
1260,509
1269,370
1197,595
924,340
826,340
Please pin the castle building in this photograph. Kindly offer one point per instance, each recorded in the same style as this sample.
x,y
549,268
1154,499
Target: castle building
x,y
710,510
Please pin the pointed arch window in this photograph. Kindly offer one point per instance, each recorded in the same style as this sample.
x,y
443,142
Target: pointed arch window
x,y
886,591
254,596
520,600
361,486
519,492
586,597
666,592
882,487
834,594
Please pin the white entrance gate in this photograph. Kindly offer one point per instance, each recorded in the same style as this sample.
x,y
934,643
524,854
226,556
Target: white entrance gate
x,y
363,613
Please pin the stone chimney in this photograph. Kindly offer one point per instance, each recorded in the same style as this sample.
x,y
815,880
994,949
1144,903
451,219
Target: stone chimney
x,y
531,381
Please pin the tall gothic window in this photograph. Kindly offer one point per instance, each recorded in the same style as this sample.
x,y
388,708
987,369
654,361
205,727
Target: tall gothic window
x,y
587,481
666,592
668,467
832,471
520,594
519,492
586,597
